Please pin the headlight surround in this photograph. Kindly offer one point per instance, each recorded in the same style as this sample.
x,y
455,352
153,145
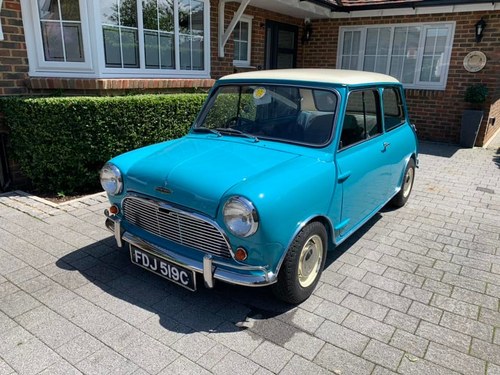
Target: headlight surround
x,y
111,179
240,217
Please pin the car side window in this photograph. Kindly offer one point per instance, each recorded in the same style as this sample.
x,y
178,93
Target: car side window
x,y
362,119
393,108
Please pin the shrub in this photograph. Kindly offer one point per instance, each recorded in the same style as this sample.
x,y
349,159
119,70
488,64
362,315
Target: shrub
x,y
61,143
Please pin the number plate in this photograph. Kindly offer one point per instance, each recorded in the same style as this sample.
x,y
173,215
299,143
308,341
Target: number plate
x,y
171,271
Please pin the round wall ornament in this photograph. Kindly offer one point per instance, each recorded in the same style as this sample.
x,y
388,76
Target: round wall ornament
x,y
474,61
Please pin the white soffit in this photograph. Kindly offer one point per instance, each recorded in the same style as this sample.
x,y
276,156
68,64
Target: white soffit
x,y
417,10
294,8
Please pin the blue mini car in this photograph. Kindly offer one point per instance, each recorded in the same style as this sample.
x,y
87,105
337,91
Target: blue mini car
x,y
278,168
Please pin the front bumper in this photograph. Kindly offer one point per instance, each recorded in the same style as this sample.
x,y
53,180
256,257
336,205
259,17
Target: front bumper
x,y
209,267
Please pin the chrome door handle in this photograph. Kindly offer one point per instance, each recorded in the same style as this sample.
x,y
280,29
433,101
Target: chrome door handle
x,y
386,144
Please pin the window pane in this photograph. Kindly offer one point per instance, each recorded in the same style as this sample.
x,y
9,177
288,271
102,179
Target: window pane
x,y
351,49
52,41
130,48
371,42
237,49
151,52
73,43
198,63
70,10
112,46
244,31
48,9
361,118
166,15
128,13
346,48
434,47
286,39
109,12
197,17
185,51
167,51
285,60
184,17
150,14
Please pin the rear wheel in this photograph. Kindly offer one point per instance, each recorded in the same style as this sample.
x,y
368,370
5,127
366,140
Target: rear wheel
x,y
303,264
400,198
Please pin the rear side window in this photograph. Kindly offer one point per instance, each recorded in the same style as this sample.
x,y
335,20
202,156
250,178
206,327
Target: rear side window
x,y
362,119
393,108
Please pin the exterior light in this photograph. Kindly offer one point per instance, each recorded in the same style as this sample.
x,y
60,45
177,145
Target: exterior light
x,y
480,26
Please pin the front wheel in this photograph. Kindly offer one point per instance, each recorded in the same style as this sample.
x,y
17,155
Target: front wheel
x,y
303,264
400,198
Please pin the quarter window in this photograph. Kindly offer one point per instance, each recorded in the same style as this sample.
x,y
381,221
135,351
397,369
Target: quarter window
x,y
416,54
393,108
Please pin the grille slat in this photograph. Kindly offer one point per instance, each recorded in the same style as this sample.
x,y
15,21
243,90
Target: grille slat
x,y
175,226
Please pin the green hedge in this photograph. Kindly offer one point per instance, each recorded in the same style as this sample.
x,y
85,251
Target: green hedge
x,y
61,143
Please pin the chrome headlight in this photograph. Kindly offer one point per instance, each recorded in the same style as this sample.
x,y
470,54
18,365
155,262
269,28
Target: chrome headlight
x,y
240,217
111,179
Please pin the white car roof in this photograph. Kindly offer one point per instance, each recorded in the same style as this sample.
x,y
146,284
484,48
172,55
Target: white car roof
x,y
335,76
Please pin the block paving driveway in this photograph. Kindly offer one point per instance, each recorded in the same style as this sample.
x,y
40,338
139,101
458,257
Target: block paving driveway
x,y
415,292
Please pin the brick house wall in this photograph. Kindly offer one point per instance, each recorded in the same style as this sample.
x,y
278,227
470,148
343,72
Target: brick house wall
x,y
437,114
13,55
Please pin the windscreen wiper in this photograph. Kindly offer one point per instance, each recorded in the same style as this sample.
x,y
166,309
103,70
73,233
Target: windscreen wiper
x,y
237,132
203,129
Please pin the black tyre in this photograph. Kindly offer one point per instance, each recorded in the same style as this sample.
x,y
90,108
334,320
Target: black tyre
x,y
400,198
303,264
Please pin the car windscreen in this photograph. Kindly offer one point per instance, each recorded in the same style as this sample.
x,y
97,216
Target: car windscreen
x,y
280,113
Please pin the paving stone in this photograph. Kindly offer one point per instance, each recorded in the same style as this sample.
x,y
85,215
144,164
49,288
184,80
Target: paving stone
x,y
397,263
341,362
404,277
365,306
455,360
149,354
342,337
384,283
402,321
183,366
373,266
194,345
120,336
464,282
17,303
106,361
455,306
390,300
302,319
61,367
475,298
213,356
354,272
332,278
383,354
417,294
445,336
468,326
79,348
437,287
271,356
429,272
298,365
425,312
354,286
369,327
409,343
493,369
332,311
419,367
241,341
485,350
234,363
330,293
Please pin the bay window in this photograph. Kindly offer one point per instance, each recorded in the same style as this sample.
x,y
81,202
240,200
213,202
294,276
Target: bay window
x,y
117,38
416,54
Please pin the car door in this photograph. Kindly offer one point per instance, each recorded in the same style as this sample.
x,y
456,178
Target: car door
x,y
363,174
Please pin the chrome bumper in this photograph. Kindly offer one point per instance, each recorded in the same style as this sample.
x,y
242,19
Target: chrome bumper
x,y
210,268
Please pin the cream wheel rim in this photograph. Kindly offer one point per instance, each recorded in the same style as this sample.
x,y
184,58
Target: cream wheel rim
x,y
310,260
408,181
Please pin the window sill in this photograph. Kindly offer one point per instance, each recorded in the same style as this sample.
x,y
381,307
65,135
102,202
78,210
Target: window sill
x,y
244,66
117,84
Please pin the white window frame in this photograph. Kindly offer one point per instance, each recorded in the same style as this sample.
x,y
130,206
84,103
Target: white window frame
x,y
93,44
445,64
245,63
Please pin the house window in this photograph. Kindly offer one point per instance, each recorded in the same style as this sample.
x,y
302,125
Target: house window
x,y
117,38
242,35
61,30
416,54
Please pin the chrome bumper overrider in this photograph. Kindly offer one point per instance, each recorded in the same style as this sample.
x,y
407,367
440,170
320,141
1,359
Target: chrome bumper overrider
x,y
210,268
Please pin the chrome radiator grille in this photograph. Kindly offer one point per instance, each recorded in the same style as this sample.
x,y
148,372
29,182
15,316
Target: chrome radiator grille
x,y
176,226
